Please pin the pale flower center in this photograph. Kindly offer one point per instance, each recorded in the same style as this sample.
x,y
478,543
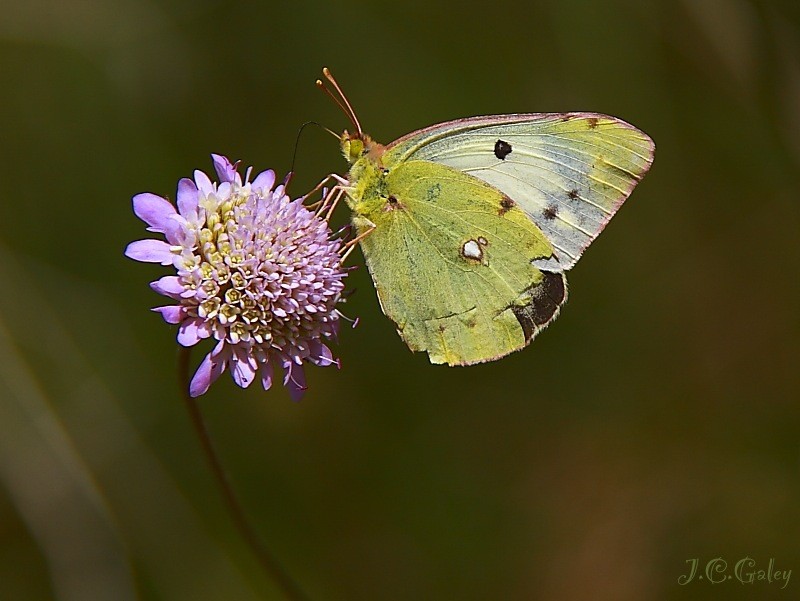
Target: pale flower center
x,y
233,272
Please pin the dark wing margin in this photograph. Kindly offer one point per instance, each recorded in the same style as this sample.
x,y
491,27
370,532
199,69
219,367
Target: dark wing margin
x,y
546,299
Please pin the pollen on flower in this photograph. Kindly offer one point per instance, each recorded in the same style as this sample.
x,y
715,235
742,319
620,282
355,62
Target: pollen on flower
x,y
256,272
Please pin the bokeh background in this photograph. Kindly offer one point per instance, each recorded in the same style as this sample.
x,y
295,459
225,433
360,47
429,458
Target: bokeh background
x,y
657,421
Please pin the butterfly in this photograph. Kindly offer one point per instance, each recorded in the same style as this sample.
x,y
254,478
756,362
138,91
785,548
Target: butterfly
x,y
468,227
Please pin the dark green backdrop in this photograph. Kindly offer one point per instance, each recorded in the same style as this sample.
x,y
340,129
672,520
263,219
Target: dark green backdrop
x,y
655,422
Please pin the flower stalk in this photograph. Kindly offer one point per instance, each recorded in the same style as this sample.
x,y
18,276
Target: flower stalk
x,y
269,563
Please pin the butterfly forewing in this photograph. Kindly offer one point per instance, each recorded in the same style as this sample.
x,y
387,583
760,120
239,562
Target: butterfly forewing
x,y
453,261
568,172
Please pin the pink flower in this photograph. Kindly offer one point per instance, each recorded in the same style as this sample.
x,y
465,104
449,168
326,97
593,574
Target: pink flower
x,y
257,272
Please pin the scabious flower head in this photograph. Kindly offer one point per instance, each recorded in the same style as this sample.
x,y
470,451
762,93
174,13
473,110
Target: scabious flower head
x,y
257,272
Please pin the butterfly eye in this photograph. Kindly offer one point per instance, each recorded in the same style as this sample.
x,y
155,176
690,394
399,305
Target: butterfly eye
x,y
353,149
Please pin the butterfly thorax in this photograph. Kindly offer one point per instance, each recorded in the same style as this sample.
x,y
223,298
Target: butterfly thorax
x,y
367,175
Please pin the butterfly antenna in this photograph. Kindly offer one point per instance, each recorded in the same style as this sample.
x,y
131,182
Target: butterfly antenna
x,y
297,139
338,102
349,111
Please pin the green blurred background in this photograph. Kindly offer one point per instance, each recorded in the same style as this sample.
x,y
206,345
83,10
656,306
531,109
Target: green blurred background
x,y
657,421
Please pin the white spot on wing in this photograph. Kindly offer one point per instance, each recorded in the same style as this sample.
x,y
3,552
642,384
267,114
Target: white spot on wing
x,y
472,250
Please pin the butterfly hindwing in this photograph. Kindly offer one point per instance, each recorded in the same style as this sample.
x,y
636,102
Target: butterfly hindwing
x,y
569,172
452,259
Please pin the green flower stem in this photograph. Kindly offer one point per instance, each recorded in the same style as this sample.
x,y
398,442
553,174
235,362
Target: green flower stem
x,y
273,569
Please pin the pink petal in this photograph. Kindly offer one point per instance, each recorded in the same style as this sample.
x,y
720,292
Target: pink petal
x,y
210,369
202,378
287,370
153,210
221,352
225,170
169,285
322,355
149,251
296,382
266,375
188,332
243,369
187,197
203,183
264,181
174,230
224,190
170,313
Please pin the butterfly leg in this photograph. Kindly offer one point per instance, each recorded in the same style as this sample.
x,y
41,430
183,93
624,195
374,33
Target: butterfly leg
x,y
351,244
341,191
340,181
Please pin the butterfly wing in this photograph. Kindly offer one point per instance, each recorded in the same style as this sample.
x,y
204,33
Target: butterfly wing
x,y
569,172
452,259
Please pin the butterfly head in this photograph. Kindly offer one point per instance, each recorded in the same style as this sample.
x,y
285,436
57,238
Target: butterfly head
x,y
359,145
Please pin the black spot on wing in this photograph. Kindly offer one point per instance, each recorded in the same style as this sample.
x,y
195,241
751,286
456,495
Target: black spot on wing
x,y
502,149
506,204
550,212
573,194
392,204
545,299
